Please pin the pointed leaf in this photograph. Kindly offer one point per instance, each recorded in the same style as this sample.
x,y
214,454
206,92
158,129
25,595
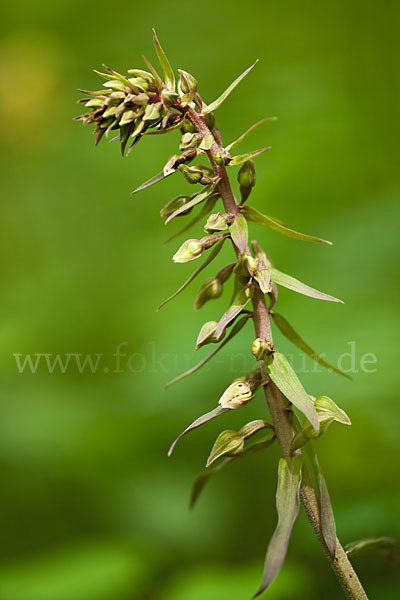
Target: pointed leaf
x,y
301,288
246,133
287,504
157,78
200,483
235,329
200,197
209,258
284,377
367,546
152,181
239,232
242,158
328,525
228,442
207,208
217,103
241,298
198,423
317,480
294,337
166,67
255,216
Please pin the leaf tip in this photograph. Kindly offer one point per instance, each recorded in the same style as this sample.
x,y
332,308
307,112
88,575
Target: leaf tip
x,y
171,448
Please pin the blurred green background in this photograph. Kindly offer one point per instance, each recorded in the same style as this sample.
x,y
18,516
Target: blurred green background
x,y
90,506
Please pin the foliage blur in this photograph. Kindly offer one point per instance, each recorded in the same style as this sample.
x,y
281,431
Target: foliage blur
x,y
91,508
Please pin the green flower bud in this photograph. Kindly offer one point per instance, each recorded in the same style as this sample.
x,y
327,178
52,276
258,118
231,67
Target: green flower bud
x,y
216,222
247,174
309,433
190,250
261,349
192,175
187,127
228,443
236,395
169,98
127,104
189,140
207,334
197,174
209,240
178,159
246,266
173,205
210,288
223,157
250,264
326,405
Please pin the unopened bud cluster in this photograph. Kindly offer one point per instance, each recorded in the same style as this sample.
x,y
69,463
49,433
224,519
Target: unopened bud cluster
x,y
130,104
262,349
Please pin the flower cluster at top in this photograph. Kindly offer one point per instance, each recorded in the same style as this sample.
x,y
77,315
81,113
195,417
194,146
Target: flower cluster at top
x,y
140,102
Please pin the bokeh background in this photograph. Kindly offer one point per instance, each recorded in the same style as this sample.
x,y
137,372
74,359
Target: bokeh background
x,y
90,506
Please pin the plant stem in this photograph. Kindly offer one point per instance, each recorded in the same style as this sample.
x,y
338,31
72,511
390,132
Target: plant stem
x,y
340,563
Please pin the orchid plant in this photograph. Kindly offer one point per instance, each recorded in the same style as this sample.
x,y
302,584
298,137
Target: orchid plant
x,y
143,102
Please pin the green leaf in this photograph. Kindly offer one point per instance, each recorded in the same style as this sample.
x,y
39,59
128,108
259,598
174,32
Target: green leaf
x,y
235,329
242,158
239,232
246,133
209,258
166,67
201,481
197,199
328,525
317,480
255,216
241,298
298,341
366,546
217,103
203,478
157,78
207,208
198,423
152,181
228,442
301,288
284,377
287,504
